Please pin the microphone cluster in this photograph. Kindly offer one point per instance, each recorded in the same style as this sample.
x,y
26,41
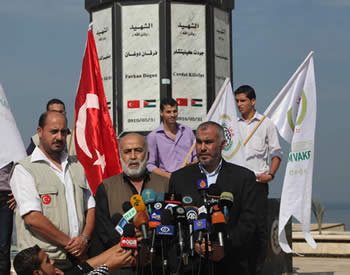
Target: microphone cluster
x,y
167,220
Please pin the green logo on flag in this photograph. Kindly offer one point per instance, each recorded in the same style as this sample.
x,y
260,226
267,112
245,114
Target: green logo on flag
x,y
302,113
228,132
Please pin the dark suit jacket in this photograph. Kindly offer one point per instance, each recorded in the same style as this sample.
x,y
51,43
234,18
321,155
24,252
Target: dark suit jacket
x,y
241,225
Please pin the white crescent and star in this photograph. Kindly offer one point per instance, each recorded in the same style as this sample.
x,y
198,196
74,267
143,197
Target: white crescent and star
x,y
90,102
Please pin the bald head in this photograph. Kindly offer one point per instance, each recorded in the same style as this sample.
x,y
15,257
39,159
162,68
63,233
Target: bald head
x,y
52,114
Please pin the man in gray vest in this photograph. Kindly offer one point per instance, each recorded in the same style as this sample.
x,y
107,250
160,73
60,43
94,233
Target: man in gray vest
x,y
55,207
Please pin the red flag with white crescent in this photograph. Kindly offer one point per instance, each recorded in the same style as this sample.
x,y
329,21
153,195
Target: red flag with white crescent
x,y
95,139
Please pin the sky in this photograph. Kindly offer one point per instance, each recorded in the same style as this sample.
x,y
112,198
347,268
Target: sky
x,y
42,44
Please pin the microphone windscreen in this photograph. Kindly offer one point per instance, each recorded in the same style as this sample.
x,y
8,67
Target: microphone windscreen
x,y
126,206
217,217
187,200
218,227
214,190
226,199
174,198
141,217
191,214
116,218
179,213
160,197
129,230
148,196
137,202
167,218
202,216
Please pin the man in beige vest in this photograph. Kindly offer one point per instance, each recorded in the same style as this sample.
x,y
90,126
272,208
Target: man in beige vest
x,y
55,207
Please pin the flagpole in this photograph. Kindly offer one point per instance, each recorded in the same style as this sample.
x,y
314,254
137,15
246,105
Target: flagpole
x,y
210,113
254,130
71,135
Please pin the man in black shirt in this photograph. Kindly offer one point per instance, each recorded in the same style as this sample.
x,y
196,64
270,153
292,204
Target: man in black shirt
x,y
228,177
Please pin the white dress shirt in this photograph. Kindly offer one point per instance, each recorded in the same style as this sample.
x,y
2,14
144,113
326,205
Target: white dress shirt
x,y
211,177
27,197
262,145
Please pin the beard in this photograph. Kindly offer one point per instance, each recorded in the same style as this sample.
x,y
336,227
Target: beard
x,y
134,172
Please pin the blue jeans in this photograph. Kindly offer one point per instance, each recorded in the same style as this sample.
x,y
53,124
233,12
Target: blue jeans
x,y
6,223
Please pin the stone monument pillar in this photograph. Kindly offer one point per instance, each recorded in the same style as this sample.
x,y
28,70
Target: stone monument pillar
x,y
149,50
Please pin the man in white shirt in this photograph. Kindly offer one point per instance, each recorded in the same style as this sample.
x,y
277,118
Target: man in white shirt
x,y
56,209
262,147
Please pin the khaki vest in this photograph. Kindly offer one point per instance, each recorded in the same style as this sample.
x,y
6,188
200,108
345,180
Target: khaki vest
x,y
53,203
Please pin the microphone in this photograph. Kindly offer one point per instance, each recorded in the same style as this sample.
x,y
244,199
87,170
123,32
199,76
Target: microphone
x,y
148,197
202,187
214,192
119,223
137,202
172,200
160,196
153,222
126,206
128,240
166,231
159,201
226,203
129,211
166,228
187,200
141,221
191,216
218,222
180,217
200,225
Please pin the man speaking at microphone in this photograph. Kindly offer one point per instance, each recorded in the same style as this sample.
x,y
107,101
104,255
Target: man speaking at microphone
x,y
116,190
231,178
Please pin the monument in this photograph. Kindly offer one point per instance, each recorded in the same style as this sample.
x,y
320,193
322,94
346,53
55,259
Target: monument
x,y
149,50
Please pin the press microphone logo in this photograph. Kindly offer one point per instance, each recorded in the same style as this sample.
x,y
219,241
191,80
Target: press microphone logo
x,y
158,206
202,184
136,201
155,215
120,226
200,224
128,242
165,230
191,215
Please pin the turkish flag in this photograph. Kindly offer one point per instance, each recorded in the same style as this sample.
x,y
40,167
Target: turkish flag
x,y
132,104
95,140
182,101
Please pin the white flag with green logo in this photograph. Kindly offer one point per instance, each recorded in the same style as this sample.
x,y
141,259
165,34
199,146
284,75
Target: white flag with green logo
x,y
294,113
224,112
11,144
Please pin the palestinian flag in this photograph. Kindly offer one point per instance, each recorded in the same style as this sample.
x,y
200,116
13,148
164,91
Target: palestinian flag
x,y
195,102
149,103
133,104
182,101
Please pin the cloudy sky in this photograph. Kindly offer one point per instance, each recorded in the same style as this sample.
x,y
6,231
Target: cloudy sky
x,y
42,44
